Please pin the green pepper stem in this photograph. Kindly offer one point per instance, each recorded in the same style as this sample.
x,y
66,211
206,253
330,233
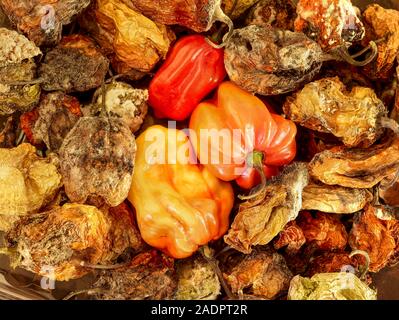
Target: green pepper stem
x,y
255,159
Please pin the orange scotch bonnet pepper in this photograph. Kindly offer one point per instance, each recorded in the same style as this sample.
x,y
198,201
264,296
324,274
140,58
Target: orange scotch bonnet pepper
x,y
180,205
265,141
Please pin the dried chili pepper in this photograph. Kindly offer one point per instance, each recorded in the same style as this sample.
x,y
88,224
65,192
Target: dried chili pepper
x,y
334,25
42,20
112,22
325,105
192,70
187,206
273,142
270,61
237,8
76,64
291,237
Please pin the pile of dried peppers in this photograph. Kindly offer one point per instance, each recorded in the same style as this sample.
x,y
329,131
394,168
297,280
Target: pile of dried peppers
x,y
200,149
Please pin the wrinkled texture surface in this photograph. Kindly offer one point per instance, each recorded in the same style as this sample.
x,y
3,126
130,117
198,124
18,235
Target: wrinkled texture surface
x,y
331,262
194,14
334,199
42,20
269,61
75,65
52,120
133,43
27,182
150,275
356,168
196,280
187,206
8,133
262,273
330,286
291,237
276,13
374,236
382,24
259,220
325,105
324,230
124,102
388,190
97,159
236,8
65,236
332,23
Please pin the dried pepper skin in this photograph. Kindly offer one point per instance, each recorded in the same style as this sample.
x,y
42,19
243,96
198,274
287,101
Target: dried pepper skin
x,y
383,24
75,65
262,274
110,23
374,236
124,102
259,220
329,262
187,206
64,237
276,13
192,70
270,61
326,106
324,230
330,286
27,182
237,8
388,190
196,280
17,64
333,24
291,237
334,199
52,120
150,275
42,20
194,14
96,161
356,167
8,134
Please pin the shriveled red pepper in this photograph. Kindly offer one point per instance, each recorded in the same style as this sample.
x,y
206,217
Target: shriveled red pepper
x,y
266,140
191,71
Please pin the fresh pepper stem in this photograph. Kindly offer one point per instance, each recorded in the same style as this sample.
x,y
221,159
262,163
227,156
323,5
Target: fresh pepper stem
x,y
206,252
366,266
255,160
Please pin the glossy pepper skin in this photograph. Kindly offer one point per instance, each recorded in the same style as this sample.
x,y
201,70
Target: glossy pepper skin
x,y
179,204
193,68
261,133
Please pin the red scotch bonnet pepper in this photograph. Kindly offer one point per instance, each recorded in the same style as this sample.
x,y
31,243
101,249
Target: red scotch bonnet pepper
x,y
192,70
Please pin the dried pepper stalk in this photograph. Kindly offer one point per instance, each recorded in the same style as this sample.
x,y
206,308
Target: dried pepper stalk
x,y
382,24
334,199
8,134
356,167
198,15
261,274
97,159
276,13
260,219
66,242
324,231
150,275
291,237
326,106
27,182
388,190
75,65
375,236
334,25
124,102
270,61
52,120
42,20
17,67
196,280
330,286
193,69
111,23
